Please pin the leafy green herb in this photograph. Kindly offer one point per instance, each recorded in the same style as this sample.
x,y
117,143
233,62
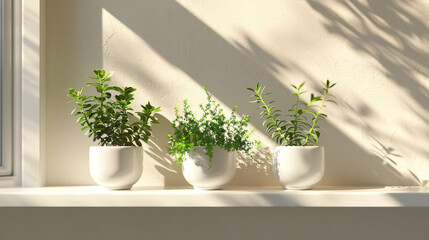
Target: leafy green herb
x,y
108,117
296,130
212,129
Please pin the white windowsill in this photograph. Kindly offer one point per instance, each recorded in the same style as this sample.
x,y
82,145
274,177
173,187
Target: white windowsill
x,y
91,196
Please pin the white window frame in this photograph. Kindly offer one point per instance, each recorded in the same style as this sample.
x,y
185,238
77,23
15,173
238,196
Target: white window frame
x,y
25,144
6,89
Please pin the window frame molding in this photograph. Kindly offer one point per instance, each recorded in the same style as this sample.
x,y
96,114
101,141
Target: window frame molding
x,y
6,89
26,150
10,138
32,172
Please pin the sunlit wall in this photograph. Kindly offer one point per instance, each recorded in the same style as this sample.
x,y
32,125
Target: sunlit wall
x,y
376,51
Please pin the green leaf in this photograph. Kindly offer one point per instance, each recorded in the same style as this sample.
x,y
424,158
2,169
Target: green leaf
x,y
73,111
109,75
114,88
309,111
79,120
100,73
92,84
304,122
84,127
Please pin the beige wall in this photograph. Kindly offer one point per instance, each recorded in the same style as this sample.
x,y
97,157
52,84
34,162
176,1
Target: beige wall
x,y
375,50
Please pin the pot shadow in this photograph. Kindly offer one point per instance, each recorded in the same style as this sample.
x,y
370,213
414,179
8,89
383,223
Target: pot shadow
x,y
251,173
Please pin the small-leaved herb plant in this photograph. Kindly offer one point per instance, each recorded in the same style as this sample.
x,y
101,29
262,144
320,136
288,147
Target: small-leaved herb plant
x,y
212,129
108,118
300,125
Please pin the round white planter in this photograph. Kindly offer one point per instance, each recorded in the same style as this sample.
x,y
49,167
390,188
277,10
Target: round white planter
x,y
197,172
116,167
297,167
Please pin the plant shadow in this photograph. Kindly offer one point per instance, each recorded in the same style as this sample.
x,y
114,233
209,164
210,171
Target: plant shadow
x,y
389,33
162,161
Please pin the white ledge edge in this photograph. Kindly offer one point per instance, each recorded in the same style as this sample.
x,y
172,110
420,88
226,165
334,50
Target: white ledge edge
x,y
91,196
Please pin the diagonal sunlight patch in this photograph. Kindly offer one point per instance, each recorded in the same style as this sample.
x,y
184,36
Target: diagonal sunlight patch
x,y
138,63
135,63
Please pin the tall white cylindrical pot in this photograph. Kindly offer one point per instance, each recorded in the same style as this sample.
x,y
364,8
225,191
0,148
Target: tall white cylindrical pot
x,y
197,172
297,167
116,167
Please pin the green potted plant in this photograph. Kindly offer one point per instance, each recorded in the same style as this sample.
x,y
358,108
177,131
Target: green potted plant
x,y
204,146
298,162
110,121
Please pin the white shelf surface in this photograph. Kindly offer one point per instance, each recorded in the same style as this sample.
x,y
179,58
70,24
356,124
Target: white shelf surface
x,y
92,196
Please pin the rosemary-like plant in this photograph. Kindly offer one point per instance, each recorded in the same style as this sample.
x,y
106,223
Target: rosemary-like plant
x,y
212,129
296,129
111,121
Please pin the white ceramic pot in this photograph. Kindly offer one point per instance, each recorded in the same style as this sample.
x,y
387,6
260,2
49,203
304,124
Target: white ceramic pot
x,y
297,167
197,172
116,167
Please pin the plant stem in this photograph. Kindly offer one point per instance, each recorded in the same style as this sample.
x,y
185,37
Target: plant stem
x,y
270,116
295,123
316,117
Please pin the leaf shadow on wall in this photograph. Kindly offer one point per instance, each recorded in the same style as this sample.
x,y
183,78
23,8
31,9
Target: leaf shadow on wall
x,y
227,69
389,33
402,60
399,50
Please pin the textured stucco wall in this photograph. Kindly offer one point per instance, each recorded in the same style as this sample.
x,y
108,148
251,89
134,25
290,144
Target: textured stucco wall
x,y
375,50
